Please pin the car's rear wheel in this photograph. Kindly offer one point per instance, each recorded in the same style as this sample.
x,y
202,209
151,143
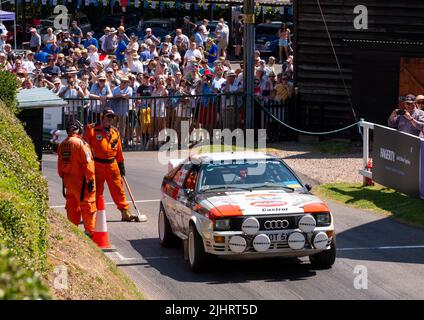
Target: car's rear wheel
x,y
197,257
324,259
166,236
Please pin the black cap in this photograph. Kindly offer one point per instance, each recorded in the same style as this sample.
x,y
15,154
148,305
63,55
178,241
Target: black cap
x,y
74,126
108,112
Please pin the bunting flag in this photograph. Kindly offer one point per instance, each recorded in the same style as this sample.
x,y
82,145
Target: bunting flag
x,y
263,9
35,2
43,2
63,2
161,5
205,6
213,6
137,3
54,2
124,3
188,6
145,4
290,11
87,3
177,5
104,3
153,4
196,7
12,1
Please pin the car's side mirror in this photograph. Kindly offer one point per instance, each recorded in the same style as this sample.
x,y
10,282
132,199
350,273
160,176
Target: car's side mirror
x,y
308,187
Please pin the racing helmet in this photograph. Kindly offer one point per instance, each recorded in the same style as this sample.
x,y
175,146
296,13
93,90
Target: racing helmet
x,y
75,126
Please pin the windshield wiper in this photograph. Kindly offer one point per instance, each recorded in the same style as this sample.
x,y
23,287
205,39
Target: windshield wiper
x,y
227,187
271,184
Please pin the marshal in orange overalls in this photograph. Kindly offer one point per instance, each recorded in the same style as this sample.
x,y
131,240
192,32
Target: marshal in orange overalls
x,y
76,168
107,149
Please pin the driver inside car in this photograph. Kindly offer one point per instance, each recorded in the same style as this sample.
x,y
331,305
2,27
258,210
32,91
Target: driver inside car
x,y
241,178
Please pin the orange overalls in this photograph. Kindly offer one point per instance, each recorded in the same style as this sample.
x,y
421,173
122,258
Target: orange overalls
x,y
107,150
76,167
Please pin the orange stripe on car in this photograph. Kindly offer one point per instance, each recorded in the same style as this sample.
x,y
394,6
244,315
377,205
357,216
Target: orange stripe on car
x,y
224,211
316,207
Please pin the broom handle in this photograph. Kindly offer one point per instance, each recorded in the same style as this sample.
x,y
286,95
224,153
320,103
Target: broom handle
x,y
131,195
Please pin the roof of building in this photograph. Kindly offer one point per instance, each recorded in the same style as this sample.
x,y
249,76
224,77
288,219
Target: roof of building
x,y
38,98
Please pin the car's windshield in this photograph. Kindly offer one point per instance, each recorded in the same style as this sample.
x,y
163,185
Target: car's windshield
x,y
248,175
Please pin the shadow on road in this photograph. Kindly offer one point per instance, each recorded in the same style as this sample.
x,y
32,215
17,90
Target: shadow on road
x,y
365,242
170,262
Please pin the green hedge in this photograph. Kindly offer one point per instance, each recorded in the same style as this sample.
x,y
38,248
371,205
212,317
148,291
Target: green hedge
x,y
8,87
23,210
16,282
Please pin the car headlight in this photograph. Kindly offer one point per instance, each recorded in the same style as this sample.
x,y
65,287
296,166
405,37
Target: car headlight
x,y
222,225
323,219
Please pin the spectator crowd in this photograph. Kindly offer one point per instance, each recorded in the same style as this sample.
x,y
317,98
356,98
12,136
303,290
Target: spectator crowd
x,y
147,81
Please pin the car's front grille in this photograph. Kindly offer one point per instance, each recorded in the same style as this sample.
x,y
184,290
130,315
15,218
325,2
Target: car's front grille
x,y
276,224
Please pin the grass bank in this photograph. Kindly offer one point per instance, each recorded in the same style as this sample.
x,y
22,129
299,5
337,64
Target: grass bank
x,y
89,274
378,199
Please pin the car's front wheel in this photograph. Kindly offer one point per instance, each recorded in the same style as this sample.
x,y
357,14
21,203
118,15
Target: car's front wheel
x,y
166,236
324,259
197,256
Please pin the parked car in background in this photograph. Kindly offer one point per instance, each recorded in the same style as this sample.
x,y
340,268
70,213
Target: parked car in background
x,y
266,37
130,20
239,205
160,28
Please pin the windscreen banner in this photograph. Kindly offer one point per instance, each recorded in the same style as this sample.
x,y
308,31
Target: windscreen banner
x,y
396,161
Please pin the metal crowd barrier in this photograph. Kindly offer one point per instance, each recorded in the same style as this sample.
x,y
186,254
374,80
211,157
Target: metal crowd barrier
x,y
280,109
140,119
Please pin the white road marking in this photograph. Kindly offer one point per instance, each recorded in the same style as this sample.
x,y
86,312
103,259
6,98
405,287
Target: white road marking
x,y
122,258
382,248
110,203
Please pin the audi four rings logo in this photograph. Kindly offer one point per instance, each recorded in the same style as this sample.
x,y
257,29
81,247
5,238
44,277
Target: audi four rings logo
x,y
276,224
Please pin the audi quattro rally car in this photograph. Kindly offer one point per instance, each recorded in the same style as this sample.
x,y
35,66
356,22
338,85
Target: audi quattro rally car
x,y
243,205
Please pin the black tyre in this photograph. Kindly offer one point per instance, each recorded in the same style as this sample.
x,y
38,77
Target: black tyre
x,y
166,236
324,259
197,257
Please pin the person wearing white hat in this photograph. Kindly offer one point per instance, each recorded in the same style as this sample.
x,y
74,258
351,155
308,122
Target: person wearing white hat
x,y
150,36
35,41
135,65
420,101
110,41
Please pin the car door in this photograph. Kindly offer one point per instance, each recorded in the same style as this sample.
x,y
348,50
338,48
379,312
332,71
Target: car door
x,y
186,200
175,193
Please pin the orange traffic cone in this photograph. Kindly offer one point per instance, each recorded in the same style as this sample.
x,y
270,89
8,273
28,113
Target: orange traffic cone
x,y
101,236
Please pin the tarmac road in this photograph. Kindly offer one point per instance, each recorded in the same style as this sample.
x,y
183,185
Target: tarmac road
x,y
389,253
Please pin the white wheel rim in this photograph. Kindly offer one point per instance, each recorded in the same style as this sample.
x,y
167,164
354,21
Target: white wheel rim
x,y
191,247
161,225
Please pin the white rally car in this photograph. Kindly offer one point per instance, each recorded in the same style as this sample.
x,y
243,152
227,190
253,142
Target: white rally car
x,y
243,205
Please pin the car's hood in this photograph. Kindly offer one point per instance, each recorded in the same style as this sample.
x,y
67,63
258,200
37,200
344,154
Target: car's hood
x,y
261,202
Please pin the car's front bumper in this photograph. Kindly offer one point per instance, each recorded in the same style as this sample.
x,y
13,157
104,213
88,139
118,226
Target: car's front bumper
x,y
276,249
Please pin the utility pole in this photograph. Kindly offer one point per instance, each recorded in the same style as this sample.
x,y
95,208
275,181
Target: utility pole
x,y
248,54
